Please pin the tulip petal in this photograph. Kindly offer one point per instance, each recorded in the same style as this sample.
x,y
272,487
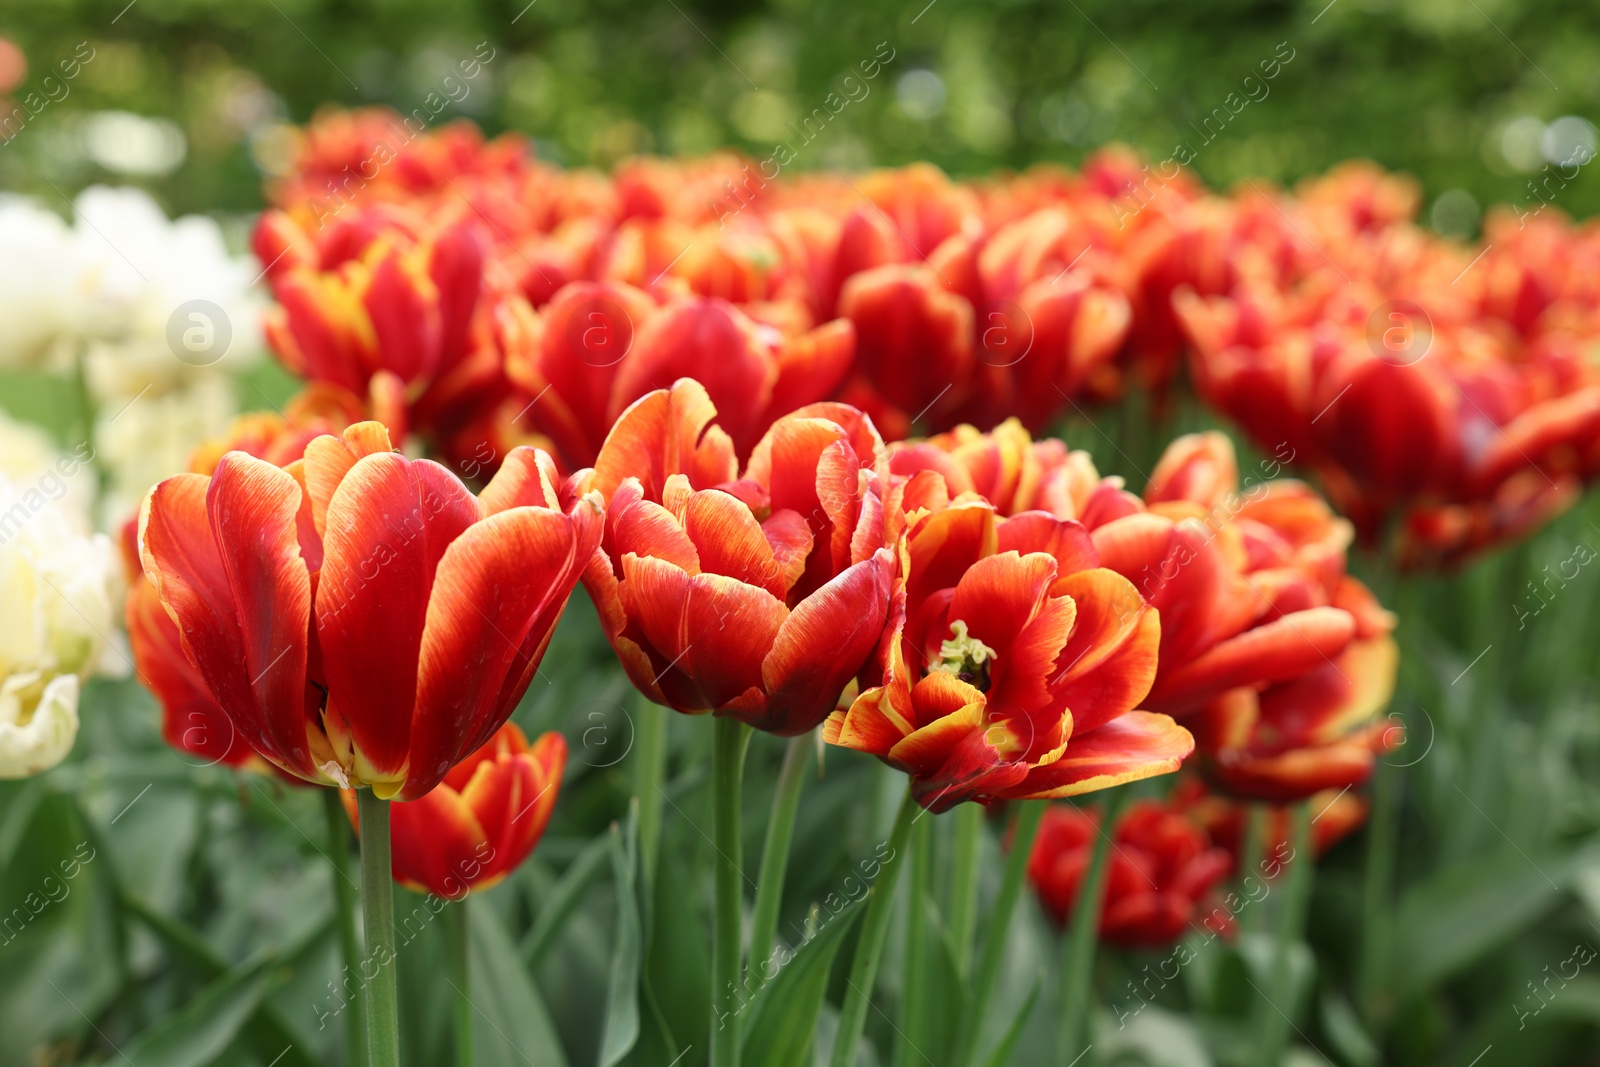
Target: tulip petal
x,y
1278,650
527,478
389,523
823,644
709,632
433,837
664,433
1128,748
181,559
1039,531
728,540
493,583
254,508
328,459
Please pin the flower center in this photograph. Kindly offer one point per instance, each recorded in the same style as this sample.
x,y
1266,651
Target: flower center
x,y
966,657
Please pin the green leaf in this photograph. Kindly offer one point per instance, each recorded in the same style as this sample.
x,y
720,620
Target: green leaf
x,y
1002,1051
621,1030
1346,1034
515,1028
944,992
200,1031
783,1018
564,898
266,1028
1465,912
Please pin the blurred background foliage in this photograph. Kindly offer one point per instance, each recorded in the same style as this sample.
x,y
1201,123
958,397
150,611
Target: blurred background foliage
x,y
189,97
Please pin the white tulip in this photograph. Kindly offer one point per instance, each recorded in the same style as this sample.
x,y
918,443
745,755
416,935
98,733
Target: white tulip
x,y
58,597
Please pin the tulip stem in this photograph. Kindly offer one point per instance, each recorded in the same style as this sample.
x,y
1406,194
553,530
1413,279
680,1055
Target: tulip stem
x,y
650,752
913,990
344,896
727,772
377,910
1382,836
1024,828
1083,937
460,935
965,872
1257,817
869,949
1273,1019
775,854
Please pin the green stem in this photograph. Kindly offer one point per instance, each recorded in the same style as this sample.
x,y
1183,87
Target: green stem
x,y
1272,1020
775,854
377,910
1251,848
649,772
1078,952
727,773
1382,833
913,990
869,949
964,874
1025,827
344,896
460,934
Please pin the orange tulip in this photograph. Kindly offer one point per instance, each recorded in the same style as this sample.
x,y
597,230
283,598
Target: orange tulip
x,y
1012,661
481,821
192,720
757,597
598,347
362,618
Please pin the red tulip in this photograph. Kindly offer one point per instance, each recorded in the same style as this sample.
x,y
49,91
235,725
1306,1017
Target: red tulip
x,y
757,597
482,821
1012,662
1160,880
404,306
1335,815
599,347
360,617
192,720
914,354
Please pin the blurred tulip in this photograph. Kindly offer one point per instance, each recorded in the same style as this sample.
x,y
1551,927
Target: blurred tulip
x,y
56,600
1160,881
757,597
1335,815
477,825
362,618
598,347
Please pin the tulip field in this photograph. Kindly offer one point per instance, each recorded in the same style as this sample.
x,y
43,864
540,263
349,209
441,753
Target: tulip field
x,y
486,581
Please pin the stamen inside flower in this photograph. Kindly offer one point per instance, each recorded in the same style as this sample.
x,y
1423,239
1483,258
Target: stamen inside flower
x,y
966,657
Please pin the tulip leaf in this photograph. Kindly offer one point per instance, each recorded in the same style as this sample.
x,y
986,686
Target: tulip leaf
x,y
621,1030
1002,1052
563,898
266,1028
201,1031
1463,913
782,1021
945,993
516,1028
